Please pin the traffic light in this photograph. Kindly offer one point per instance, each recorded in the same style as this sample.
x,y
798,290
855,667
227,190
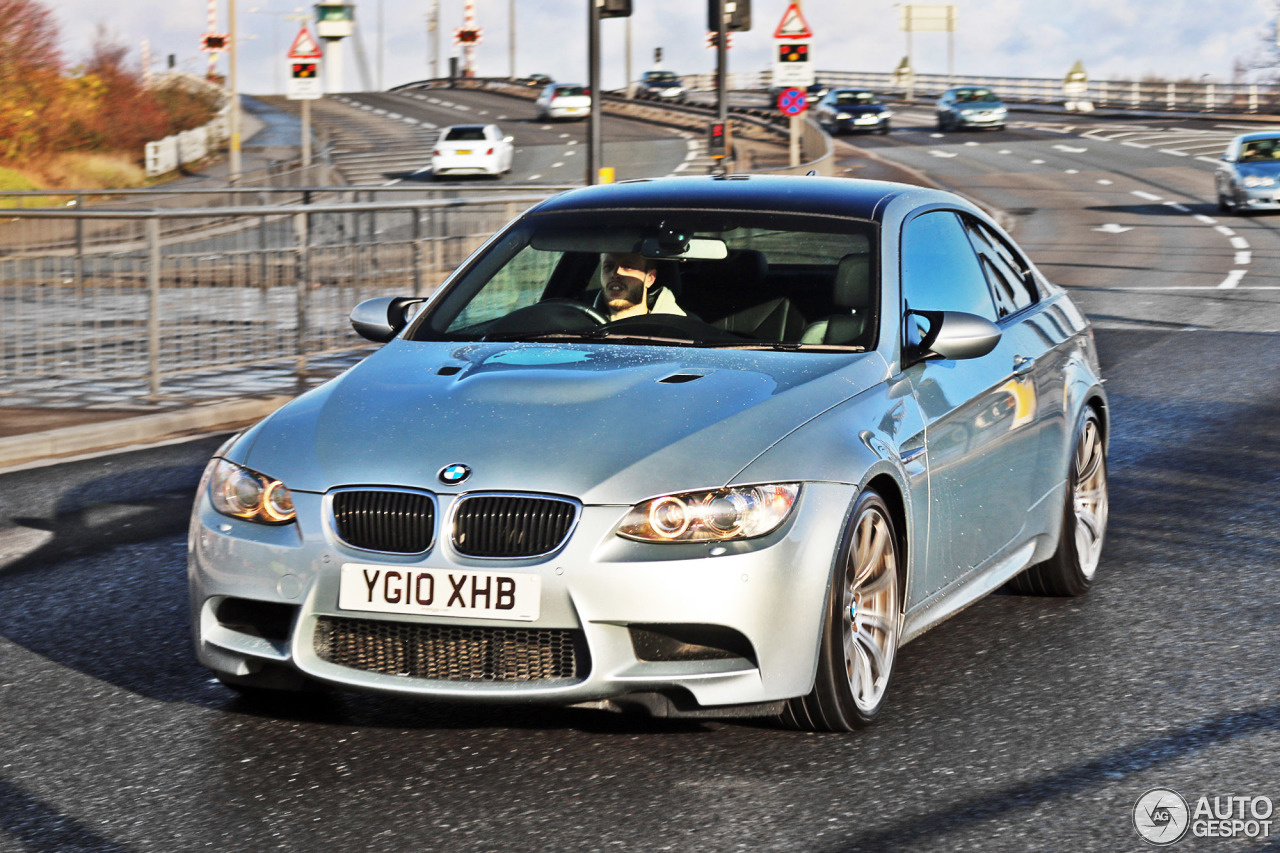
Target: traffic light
x,y
614,8
793,53
657,55
737,15
717,140
303,70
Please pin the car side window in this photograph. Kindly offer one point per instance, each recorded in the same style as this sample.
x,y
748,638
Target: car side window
x,y
1007,271
940,269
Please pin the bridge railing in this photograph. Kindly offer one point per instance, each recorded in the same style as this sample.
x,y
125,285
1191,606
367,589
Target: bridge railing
x,y
182,291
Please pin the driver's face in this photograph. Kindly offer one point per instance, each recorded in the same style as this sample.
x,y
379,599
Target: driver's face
x,y
624,280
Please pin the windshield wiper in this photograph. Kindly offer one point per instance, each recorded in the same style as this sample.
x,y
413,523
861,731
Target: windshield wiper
x,y
595,336
786,346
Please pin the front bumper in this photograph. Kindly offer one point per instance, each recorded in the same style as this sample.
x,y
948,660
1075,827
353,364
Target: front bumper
x,y
727,625
870,121
981,120
465,165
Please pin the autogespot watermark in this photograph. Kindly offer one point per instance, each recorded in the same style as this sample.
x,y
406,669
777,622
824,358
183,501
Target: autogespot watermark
x,y
1163,816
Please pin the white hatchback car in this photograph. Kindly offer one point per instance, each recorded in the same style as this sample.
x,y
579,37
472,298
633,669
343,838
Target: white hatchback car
x,y
564,100
472,149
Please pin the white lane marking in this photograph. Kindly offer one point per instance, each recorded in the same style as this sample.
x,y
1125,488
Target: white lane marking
x,y
1073,171
535,177
1239,243
1113,228
686,164
1005,151
1148,196
1135,144
936,153
1181,208
1070,149
1213,160
557,165
1232,280
1104,182
1224,231
1207,220
1244,258
572,142
935,136
971,144
1037,162
1174,153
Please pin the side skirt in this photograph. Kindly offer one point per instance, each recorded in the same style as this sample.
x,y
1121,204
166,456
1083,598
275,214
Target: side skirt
x,y
958,595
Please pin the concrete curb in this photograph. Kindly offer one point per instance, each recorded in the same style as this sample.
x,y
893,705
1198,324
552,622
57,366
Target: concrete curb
x,y
57,444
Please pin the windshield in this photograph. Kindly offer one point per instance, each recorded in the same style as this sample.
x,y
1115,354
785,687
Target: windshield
x,y
1260,149
668,277
661,77
983,95
851,99
464,134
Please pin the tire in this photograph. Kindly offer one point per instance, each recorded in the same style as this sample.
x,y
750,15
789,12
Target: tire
x,y
883,129
1071,568
861,628
1223,207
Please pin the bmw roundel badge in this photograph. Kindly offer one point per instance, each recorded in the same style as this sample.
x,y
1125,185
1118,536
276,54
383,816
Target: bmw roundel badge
x,y
452,475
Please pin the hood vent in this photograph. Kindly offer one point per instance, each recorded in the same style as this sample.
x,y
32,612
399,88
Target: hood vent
x,y
679,378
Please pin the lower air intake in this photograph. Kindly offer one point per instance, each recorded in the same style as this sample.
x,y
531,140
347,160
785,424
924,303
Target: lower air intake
x,y
452,653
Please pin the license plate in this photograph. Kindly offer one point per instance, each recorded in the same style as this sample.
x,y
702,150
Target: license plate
x,y
464,151
440,592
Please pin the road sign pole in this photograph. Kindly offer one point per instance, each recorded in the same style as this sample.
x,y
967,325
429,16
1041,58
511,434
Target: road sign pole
x,y
594,147
306,138
795,138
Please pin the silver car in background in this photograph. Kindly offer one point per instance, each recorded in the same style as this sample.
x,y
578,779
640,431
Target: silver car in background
x,y
968,107
563,100
1248,178
851,409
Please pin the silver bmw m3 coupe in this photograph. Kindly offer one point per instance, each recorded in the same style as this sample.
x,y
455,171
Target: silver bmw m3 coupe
x,y
697,446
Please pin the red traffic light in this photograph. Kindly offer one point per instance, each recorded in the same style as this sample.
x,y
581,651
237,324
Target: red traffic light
x,y
304,70
793,53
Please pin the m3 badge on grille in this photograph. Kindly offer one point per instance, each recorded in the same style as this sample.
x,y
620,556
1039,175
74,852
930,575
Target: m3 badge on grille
x,y
453,474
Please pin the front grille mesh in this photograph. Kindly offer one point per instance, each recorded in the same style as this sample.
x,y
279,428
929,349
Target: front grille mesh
x,y
452,653
511,525
396,522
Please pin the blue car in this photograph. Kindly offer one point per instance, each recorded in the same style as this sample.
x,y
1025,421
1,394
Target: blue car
x,y
1248,178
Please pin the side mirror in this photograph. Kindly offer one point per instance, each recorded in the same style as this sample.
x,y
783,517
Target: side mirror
x,y
381,319
950,334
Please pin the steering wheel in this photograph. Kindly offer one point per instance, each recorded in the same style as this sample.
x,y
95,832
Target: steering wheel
x,y
582,308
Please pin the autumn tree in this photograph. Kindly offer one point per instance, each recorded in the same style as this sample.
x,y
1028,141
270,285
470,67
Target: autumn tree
x,y
30,76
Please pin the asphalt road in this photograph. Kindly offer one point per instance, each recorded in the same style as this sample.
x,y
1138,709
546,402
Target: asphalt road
x,y
1021,724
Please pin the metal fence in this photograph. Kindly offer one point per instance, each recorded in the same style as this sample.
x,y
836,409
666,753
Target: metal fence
x,y
108,295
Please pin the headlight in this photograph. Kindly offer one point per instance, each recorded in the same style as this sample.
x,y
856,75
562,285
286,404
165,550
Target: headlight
x,y
843,116
966,112
1259,181
243,493
742,512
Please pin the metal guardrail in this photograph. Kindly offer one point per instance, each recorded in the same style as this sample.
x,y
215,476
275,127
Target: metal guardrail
x,y
179,291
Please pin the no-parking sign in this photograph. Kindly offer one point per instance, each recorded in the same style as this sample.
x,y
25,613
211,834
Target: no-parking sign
x,y
792,102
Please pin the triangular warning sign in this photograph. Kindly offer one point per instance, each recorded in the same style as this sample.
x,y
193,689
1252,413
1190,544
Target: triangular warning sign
x,y
792,25
305,47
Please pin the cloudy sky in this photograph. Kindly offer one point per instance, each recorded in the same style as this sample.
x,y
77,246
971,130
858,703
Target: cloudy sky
x,y
1114,39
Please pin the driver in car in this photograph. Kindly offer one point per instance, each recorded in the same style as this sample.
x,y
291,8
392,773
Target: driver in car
x,y
629,288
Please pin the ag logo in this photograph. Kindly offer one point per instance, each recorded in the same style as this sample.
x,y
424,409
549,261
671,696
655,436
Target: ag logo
x,y
1161,816
452,475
